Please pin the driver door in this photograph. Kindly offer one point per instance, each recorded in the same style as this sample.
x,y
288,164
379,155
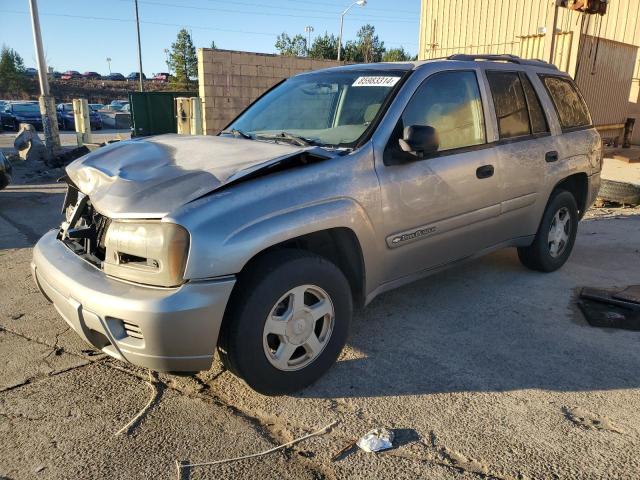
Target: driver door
x,y
443,207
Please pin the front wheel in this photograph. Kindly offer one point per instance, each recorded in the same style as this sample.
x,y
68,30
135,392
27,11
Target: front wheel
x,y
556,235
287,323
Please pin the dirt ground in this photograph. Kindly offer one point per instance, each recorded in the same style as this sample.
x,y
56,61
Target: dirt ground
x,y
484,371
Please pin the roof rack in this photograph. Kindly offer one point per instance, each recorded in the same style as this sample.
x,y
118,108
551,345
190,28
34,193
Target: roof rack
x,y
501,58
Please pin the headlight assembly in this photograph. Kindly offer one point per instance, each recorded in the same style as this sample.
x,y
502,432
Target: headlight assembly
x,y
154,253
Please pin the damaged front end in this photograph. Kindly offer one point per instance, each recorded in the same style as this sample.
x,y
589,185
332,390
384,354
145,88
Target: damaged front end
x,y
148,252
84,229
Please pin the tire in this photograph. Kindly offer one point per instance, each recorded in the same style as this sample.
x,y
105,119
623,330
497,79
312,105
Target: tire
x,y
264,293
619,192
540,255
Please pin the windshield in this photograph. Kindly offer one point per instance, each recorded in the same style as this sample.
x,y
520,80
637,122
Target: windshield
x,y
325,108
26,108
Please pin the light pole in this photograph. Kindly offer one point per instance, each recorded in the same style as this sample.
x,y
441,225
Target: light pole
x,y
109,63
139,48
47,103
309,30
360,3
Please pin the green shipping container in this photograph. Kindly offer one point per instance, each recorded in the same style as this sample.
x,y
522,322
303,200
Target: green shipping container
x,y
154,113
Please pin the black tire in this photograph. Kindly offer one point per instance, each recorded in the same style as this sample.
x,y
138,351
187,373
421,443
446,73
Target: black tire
x,y
619,192
537,256
16,126
258,290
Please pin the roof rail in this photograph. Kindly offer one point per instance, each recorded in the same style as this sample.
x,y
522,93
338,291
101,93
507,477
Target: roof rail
x,y
501,58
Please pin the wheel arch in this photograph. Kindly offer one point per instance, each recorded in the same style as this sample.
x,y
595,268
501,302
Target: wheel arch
x,y
339,245
578,185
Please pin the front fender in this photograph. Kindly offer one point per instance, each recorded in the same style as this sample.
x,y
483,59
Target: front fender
x,y
240,245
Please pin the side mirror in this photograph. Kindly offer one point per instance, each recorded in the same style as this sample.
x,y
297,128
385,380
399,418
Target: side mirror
x,y
420,141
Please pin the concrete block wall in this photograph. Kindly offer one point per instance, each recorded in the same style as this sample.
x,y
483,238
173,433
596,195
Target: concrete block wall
x,y
230,80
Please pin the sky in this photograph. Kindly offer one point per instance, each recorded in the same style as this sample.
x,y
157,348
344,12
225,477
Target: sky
x,y
82,34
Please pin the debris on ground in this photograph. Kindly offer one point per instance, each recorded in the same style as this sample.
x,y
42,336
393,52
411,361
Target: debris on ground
x,y
28,144
155,395
611,308
322,431
588,420
376,440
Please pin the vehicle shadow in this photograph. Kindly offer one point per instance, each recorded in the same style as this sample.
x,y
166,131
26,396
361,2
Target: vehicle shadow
x,y
491,325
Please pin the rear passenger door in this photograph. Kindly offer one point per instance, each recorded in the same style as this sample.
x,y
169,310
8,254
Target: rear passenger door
x,y
524,149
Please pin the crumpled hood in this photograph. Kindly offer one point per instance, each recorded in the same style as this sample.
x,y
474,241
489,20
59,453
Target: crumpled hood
x,y
151,177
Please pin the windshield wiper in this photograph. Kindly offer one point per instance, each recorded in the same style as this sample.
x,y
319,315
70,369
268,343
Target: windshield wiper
x,y
300,141
237,133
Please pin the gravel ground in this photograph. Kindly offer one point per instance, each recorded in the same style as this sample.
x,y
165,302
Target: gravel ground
x,y
486,370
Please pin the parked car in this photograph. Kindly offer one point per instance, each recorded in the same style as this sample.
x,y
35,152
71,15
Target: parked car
x,y
15,113
66,119
332,188
70,74
31,72
117,105
135,75
162,77
6,171
114,77
55,75
96,106
92,75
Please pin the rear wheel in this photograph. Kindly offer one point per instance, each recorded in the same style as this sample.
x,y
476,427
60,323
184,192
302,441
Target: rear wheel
x,y
556,235
287,322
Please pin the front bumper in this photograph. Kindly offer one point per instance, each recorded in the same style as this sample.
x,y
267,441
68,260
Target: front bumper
x,y
164,329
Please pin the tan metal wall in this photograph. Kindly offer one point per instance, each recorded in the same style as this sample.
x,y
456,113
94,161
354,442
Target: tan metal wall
x,y
605,80
499,26
523,27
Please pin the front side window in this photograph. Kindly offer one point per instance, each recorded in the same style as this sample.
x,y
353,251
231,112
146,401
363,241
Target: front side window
x,y
510,104
571,108
449,102
326,108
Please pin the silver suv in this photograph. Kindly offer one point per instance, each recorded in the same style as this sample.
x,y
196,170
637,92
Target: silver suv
x,y
333,187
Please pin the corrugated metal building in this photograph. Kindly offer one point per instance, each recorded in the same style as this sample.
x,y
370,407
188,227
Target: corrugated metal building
x,y
600,52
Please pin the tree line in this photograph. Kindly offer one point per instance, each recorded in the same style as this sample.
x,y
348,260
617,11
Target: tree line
x,y
366,48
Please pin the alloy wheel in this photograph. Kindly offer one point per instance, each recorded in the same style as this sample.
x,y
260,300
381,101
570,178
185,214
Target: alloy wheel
x,y
559,232
298,328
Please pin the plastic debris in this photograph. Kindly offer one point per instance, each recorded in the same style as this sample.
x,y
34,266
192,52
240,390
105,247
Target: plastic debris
x,y
376,440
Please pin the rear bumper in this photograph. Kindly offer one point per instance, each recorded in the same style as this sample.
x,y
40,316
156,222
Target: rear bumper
x,y
593,189
158,328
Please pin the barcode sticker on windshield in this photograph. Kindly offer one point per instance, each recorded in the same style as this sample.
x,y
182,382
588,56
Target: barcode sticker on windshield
x,y
375,81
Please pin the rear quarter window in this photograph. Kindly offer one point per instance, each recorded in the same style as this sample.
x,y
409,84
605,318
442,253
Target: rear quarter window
x,y
570,106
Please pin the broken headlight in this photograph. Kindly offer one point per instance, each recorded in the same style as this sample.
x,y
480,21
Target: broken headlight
x,y
154,253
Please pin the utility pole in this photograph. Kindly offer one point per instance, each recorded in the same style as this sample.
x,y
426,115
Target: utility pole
x,y
139,48
47,103
309,30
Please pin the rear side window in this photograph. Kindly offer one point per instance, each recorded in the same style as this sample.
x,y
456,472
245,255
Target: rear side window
x,y
536,114
510,104
571,108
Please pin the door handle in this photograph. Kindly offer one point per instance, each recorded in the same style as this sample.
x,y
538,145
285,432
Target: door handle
x,y
551,156
485,171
